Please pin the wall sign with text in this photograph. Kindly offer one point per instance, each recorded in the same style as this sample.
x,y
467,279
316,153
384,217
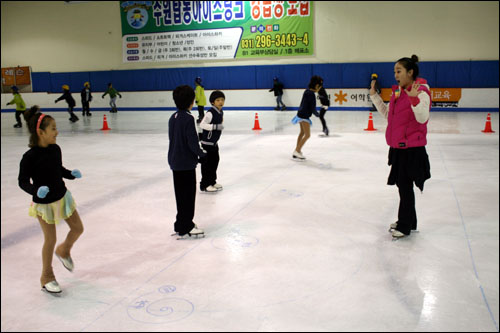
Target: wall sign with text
x,y
158,31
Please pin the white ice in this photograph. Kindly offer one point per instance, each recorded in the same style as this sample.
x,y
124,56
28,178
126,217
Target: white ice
x,y
289,246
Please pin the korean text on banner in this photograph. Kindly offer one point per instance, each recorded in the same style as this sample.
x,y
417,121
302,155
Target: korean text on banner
x,y
208,30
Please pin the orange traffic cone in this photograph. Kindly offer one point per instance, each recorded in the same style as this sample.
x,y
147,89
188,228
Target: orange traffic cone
x,y
256,125
487,126
370,124
105,124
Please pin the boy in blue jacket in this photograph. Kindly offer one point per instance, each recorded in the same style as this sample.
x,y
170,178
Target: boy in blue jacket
x,y
212,130
183,153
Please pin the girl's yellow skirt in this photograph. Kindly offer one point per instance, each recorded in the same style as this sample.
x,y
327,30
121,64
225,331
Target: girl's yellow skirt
x,y
54,211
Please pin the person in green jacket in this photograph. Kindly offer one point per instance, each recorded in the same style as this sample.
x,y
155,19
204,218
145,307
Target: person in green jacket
x,y
112,94
200,98
20,106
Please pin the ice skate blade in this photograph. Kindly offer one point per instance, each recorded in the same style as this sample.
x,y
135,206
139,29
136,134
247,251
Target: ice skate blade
x,y
298,159
188,236
392,229
55,294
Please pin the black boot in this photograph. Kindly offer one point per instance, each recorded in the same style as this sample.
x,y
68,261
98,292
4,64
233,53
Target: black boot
x,y
73,118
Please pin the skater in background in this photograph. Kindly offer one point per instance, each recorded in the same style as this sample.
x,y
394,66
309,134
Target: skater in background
x,y
325,103
41,175
86,99
71,102
278,92
201,100
183,154
20,106
407,114
212,130
112,97
306,109
373,78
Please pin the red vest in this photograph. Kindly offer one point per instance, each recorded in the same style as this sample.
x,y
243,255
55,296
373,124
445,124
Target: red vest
x,y
403,130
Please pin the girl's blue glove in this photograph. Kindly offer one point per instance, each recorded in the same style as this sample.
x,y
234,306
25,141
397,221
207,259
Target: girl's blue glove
x,y
42,192
76,173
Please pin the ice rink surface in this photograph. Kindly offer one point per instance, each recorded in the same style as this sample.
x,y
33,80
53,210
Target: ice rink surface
x,y
289,246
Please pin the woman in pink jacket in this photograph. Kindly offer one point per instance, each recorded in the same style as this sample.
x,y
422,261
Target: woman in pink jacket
x,y
407,115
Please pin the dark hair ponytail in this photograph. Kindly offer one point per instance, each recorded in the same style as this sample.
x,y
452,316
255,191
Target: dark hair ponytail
x,y
31,117
314,81
410,64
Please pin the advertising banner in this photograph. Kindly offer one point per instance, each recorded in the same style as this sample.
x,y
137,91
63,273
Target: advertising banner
x,y
16,76
158,31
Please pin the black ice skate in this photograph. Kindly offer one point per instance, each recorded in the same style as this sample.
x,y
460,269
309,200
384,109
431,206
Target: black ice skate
x,y
73,118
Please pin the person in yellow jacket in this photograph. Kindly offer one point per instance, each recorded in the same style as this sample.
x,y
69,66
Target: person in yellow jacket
x,y
20,106
200,98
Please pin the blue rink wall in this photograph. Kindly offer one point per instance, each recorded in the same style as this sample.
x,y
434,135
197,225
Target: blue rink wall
x,y
441,74
247,87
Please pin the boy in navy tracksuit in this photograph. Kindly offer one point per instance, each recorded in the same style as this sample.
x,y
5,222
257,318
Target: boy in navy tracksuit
x,y
183,153
212,130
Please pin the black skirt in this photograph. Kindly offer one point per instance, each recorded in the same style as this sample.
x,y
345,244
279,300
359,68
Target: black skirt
x,y
413,161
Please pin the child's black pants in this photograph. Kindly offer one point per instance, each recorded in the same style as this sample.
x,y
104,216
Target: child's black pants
x,y
185,196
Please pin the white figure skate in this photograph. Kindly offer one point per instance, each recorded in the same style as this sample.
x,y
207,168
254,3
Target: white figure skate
x,y
197,233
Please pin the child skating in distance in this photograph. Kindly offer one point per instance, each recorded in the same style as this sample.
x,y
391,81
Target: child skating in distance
x,y
71,102
374,78
86,95
325,103
212,130
183,154
201,100
41,175
20,106
112,97
278,92
407,115
306,109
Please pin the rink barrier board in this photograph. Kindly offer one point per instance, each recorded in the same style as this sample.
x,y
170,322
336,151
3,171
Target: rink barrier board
x,y
451,74
444,99
260,108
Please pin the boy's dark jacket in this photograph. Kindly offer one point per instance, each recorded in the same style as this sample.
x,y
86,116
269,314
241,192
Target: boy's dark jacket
x,y
184,147
67,96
